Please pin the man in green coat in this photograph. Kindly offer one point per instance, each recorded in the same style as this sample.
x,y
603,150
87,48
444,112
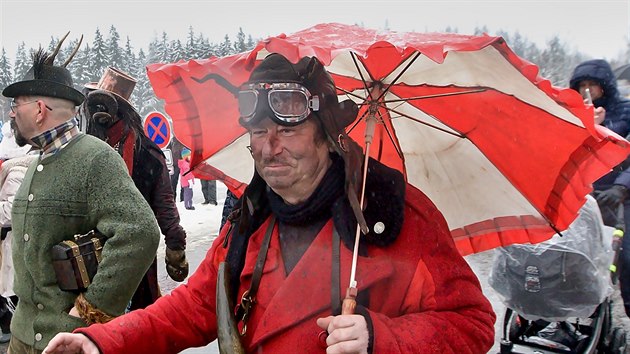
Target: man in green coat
x,y
78,184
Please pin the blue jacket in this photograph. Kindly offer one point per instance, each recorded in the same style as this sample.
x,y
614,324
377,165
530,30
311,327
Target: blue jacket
x,y
617,112
617,108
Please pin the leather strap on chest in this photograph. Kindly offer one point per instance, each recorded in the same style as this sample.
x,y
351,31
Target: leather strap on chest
x,y
248,299
249,296
335,291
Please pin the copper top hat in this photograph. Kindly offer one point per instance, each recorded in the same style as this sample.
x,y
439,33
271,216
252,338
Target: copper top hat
x,y
116,82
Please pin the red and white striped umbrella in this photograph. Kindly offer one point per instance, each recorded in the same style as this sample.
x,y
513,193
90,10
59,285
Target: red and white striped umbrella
x,y
504,155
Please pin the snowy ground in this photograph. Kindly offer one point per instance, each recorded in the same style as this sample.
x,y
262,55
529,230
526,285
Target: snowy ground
x,y
202,227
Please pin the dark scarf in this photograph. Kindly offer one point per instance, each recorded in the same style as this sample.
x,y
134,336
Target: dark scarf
x,y
318,205
300,224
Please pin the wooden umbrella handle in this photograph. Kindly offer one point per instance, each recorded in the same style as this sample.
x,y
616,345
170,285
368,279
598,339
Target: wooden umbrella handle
x,y
349,303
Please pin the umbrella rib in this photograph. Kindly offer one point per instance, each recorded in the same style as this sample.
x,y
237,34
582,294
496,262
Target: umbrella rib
x,y
391,137
357,121
354,59
351,93
423,122
435,96
399,75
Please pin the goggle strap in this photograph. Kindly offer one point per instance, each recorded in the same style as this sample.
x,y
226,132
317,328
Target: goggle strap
x,y
313,103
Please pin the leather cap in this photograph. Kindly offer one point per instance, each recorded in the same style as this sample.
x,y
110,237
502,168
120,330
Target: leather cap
x,y
309,72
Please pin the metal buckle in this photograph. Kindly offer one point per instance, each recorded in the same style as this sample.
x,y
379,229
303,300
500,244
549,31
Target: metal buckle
x,y
77,237
98,249
76,253
246,305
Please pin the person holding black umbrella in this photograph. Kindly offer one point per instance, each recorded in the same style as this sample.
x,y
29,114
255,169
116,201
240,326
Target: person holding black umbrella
x,y
595,81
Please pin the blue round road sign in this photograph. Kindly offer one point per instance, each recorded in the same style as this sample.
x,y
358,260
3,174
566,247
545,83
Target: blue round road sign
x,y
158,129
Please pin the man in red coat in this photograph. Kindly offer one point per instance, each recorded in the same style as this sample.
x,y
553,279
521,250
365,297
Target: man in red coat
x,y
297,222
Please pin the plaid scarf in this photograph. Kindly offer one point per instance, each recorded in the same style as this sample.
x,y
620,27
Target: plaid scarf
x,y
55,139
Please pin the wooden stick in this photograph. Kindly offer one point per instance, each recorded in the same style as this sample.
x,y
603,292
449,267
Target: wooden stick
x,y
349,303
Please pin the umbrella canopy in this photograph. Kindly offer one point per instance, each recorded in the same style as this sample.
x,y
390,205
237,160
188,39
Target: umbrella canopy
x,y
504,155
208,172
622,72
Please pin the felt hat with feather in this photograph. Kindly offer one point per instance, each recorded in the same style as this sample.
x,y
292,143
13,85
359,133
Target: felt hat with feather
x,y
46,79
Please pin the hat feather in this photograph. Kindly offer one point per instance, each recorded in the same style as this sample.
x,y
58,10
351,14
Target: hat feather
x,y
40,59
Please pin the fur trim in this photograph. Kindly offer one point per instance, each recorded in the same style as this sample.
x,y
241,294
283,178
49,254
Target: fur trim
x,y
89,313
384,208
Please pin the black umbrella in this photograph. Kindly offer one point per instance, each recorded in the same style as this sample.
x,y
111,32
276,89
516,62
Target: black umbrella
x,y
622,72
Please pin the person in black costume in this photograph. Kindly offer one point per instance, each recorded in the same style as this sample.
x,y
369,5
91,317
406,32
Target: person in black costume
x,y
113,119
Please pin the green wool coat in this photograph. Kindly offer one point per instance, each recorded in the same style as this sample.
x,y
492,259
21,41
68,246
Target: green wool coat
x,y
84,186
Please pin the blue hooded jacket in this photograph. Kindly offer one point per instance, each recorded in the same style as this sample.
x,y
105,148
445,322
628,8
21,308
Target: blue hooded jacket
x,y
617,108
617,112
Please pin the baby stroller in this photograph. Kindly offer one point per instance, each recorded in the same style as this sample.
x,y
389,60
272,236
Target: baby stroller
x,y
557,292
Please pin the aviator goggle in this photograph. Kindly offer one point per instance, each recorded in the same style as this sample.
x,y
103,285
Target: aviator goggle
x,y
289,102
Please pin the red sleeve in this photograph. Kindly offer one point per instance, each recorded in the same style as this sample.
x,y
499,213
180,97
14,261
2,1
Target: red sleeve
x,y
185,318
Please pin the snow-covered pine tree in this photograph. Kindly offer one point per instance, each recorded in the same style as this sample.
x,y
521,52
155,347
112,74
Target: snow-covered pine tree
x,y
226,48
23,61
190,51
162,49
240,45
205,49
251,43
144,99
176,51
99,59
128,58
83,65
6,78
113,49
554,62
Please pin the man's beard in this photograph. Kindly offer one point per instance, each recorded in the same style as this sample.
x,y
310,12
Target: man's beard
x,y
19,138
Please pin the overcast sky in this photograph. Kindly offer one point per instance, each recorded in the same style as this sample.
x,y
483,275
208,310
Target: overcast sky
x,y
597,28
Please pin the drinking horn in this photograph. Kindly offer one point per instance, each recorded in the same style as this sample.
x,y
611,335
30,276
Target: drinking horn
x,y
227,331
